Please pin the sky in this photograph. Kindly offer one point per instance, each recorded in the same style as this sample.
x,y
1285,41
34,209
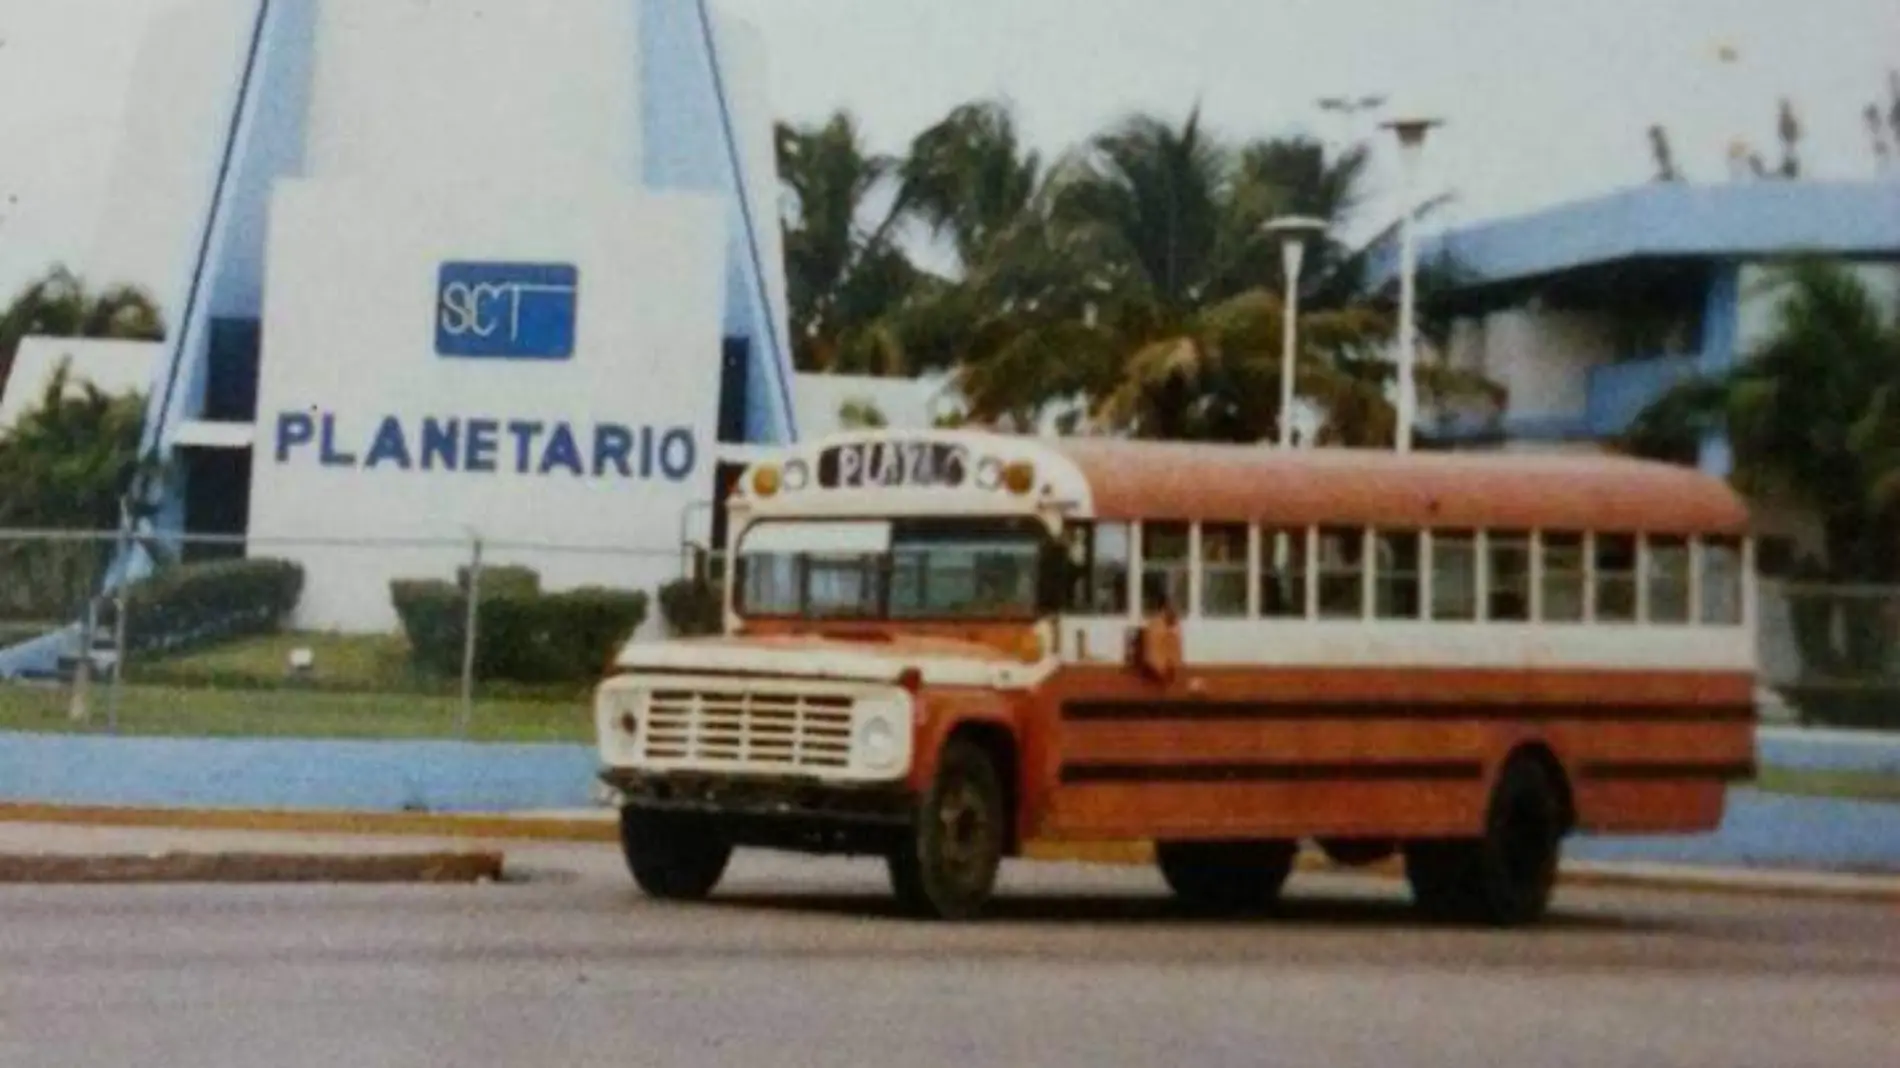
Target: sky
x,y
1545,100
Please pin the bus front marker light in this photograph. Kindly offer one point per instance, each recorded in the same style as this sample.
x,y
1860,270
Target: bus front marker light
x,y
989,474
1020,478
797,476
766,481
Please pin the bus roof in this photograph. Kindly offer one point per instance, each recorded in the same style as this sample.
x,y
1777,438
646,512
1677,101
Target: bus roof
x,y
1131,480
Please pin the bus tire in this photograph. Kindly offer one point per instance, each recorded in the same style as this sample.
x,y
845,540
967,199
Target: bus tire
x,y
1505,878
672,857
945,868
1226,877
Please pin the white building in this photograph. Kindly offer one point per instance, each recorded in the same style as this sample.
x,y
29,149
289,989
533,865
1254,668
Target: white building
x,y
508,269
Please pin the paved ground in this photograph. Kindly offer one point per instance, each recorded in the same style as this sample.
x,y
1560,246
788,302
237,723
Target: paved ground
x,y
800,963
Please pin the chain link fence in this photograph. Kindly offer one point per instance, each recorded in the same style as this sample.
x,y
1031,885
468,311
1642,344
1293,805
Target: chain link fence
x,y
1830,654
496,640
379,638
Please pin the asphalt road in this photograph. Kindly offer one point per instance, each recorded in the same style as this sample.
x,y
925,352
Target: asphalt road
x,y
800,963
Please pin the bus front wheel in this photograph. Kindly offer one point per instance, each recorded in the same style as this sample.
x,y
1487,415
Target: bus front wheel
x,y
672,857
946,867
1226,877
1506,877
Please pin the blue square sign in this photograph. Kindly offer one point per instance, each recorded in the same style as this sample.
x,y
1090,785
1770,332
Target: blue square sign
x,y
506,311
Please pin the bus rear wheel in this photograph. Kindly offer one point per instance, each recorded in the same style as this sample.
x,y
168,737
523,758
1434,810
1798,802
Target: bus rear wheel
x,y
1226,877
946,867
673,857
1505,878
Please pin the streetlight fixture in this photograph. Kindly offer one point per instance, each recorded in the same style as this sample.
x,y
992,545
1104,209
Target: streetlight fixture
x,y
1411,134
1293,232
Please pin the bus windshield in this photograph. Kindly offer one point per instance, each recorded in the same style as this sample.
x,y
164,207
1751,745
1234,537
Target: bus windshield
x,y
905,569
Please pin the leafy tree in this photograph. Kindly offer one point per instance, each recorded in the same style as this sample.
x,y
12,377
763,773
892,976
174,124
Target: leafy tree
x,y
1812,416
843,276
60,305
860,414
64,466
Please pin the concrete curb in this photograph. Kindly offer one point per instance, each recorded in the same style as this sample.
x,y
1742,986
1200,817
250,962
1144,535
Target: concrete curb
x,y
251,868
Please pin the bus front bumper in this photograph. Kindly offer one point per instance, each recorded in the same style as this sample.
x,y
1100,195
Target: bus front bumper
x,y
795,814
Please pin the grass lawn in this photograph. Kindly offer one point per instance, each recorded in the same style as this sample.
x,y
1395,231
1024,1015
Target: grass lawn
x,y
167,711
1845,784
360,687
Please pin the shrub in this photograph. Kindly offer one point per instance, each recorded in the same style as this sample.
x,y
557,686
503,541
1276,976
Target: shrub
x,y
692,607
523,635
194,605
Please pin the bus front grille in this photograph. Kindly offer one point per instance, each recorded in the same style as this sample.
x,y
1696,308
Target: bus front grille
x,y
747,730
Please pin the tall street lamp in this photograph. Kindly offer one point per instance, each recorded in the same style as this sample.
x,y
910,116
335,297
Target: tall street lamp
x,y
1293,232
1411,134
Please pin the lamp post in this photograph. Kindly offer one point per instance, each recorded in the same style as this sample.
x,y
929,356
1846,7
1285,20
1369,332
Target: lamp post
x,y
1411,134
1293,232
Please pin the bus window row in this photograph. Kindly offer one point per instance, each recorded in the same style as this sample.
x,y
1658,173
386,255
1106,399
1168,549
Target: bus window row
x,y
1342,573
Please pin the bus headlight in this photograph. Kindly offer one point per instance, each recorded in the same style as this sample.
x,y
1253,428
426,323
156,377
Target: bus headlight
x,y
882,741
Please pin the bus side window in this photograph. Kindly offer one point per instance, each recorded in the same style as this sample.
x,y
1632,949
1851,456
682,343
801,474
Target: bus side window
x,y
1508,556
1283,574
1667,579
1342,569
1223,571
1616,578
1164,567
1098,569
1563,578
1722,582
1455,576
1396,574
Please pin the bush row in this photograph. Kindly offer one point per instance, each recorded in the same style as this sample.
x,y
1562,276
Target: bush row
x,y
194,605
525,635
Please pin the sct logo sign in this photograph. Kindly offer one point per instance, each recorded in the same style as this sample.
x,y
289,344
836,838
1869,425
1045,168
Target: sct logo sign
x,y
506,311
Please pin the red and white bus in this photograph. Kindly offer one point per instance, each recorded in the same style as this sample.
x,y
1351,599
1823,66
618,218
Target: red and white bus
x,y
943,647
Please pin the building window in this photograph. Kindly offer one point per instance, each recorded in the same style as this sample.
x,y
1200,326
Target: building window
x,y
1722,582
1396,575
1283,574
1615,558
1563,578
1223,571
1164,567
1098,569
1508,555
1342,574
1455,576
1667,580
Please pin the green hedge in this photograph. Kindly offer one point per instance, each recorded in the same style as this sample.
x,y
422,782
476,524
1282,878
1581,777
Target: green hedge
x,y
692,607
194,605
523,635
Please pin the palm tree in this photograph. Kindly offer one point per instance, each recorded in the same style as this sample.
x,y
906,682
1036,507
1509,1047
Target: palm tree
x,y
1157,298
60,305
844,269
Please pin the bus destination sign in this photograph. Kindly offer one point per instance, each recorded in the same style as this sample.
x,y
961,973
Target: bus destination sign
x,y
906,464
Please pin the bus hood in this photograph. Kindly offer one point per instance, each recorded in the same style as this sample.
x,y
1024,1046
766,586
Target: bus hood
x,y
941,661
